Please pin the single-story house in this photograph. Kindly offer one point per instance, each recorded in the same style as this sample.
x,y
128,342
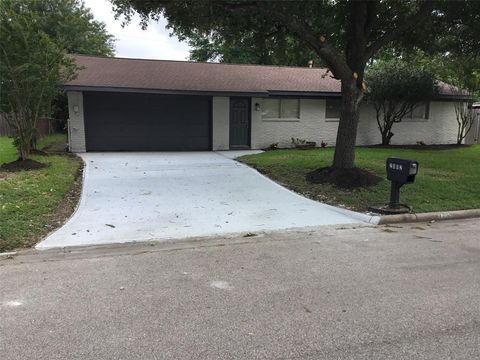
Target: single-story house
x,y
118,104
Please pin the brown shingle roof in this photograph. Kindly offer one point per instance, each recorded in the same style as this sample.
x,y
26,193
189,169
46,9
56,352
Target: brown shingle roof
x,y
197,76
187,76
447,90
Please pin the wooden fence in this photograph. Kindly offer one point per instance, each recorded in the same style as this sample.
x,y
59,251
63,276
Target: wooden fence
x,y
4,128
45,126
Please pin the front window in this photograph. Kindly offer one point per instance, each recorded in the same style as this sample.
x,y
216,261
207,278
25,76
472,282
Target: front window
x,y
420,112
281,109
332,109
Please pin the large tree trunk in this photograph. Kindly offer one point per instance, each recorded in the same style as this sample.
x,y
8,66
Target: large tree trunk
x,y
344,157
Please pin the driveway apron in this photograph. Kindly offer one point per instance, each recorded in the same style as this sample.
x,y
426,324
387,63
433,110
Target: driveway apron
x,y
159,196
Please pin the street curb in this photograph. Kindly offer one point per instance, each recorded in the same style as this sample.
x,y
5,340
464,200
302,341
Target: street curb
x,y
431,216
366,218
8,254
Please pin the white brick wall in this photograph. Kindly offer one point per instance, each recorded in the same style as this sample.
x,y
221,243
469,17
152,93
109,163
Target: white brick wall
x,y
311,126
221,123
76,126
440,128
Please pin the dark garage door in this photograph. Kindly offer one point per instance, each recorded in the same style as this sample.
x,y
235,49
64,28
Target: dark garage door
x,y
143,122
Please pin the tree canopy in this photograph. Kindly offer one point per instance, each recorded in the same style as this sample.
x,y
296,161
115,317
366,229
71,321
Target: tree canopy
x,y
69,24
344,34
398,80
459,70
274,47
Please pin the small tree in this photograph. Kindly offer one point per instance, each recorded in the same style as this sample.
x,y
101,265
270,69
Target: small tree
x,y
467,86
396,89
72,27
465,119
31,69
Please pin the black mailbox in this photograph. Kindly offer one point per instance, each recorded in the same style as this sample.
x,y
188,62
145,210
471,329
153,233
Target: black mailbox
x,y
399,172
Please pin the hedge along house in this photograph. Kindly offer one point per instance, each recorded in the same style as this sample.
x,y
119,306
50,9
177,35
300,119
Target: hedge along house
x,y
118,104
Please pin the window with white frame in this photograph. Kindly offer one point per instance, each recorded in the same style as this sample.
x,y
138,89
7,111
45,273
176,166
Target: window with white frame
x,y
332,109
420,112
288,109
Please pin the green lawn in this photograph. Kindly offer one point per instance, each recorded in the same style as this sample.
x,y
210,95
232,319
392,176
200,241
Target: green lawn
x,y
8,152
28,199
447,180
53,143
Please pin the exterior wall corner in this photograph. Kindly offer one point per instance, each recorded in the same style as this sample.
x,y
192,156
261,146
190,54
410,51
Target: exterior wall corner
x,y
76,122
220,123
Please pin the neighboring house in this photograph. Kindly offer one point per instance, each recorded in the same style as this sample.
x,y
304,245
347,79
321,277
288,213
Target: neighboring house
x,y
131,104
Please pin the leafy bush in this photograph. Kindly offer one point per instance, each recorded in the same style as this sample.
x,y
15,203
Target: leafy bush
x,y
395,89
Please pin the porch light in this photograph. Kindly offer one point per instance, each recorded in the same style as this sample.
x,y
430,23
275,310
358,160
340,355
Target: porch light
x,y
257,107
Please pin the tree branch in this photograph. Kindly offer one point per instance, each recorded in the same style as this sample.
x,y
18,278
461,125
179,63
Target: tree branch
x,y
425,8
371,17
324,49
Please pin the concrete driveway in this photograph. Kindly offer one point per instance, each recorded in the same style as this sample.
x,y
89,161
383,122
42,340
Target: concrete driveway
x,y
158,196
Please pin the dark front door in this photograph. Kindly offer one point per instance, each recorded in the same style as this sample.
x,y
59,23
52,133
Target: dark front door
x,y
239,123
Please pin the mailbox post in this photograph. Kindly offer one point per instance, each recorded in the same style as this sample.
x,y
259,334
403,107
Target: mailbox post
x,y
399,172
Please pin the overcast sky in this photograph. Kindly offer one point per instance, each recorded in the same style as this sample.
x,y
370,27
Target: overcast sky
x,y
132,41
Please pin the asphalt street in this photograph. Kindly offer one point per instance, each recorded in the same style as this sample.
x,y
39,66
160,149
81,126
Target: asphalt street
x,y
408,291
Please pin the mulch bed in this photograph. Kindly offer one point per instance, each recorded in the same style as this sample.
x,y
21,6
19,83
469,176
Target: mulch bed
x,y
343,178
19,165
